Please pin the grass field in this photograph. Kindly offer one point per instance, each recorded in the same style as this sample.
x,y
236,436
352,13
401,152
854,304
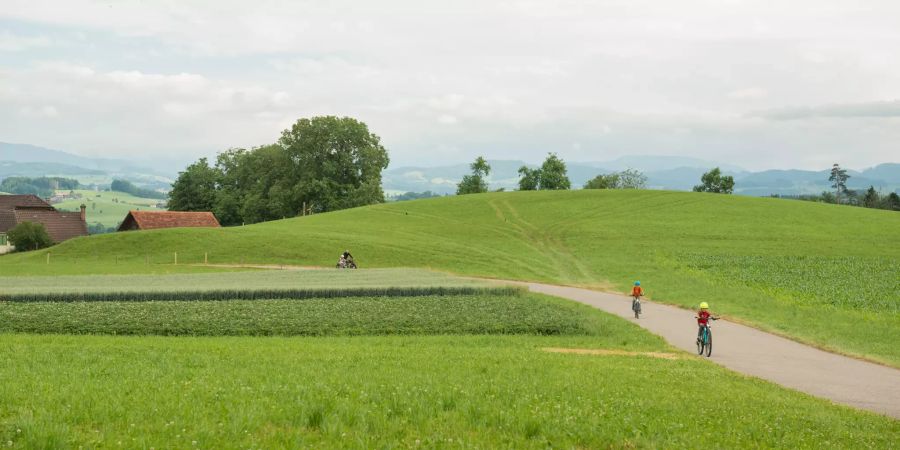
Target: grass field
x,y
107,207
682,246
387,392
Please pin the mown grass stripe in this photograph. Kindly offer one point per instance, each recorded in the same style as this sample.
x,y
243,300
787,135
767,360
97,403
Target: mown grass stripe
x,y
258,294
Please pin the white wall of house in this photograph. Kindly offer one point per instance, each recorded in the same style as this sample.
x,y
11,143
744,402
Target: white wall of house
x,y
5,246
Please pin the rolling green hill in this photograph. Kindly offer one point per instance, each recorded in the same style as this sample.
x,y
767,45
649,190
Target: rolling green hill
x,y
107,207
811,271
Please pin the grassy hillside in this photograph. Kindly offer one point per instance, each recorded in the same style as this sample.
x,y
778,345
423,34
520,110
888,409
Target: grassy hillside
x,y
107,207
807,270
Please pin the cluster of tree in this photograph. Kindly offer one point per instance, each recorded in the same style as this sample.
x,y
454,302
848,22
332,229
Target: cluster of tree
x,y
43,187
319,164
29,236
551,176
129,188
870,198
714,181
412,196
627,179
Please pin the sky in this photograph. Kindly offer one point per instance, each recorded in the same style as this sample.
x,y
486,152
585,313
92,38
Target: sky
x,y
758,84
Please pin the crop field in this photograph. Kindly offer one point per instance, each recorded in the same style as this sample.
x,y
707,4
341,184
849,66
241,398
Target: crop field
x,y
107,207
353,316
596,239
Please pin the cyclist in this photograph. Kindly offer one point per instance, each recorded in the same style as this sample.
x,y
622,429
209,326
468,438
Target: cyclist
x,y
703,318
636,293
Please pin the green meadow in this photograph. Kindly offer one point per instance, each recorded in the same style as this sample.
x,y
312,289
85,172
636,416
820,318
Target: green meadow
x,y
810,271
434,390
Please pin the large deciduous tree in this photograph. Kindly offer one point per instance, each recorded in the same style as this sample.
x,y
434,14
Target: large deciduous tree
x,y
320,164
475,183
714,181
195,188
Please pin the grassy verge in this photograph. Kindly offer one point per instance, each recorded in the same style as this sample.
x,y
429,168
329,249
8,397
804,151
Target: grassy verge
x,y
365,392
473,314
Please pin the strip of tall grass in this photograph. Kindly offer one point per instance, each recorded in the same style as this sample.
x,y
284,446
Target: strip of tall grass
x,y
392,315
255,294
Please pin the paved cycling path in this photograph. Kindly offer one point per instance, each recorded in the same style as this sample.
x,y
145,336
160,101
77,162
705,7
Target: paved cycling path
x,y
753,352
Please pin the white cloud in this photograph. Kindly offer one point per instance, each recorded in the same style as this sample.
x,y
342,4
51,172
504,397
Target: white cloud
x,y
442,82
15,43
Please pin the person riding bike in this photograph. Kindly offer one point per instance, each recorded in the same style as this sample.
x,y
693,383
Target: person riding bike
x,y
703,318
636,293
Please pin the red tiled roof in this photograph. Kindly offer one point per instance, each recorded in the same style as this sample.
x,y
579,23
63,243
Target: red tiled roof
x,y
151,220
22,201
60,226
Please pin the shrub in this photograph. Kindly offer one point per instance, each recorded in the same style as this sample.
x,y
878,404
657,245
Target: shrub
x,y
29,236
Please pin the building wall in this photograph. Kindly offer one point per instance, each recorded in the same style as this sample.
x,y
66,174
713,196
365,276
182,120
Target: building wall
x,y
5,246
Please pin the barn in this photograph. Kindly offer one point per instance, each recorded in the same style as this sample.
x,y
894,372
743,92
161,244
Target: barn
x,y
153,220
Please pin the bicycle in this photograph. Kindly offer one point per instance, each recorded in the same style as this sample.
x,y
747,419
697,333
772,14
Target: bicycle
x,y
704,340
636,306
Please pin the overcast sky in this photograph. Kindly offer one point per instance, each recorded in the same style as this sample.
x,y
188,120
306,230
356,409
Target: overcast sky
x,y
759,84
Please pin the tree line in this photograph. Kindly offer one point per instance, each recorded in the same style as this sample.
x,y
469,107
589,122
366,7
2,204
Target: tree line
x,y
552,175
129,188
43,187
320,164
870,198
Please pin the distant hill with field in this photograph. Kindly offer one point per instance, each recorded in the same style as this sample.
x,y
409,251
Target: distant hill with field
x,y
809,270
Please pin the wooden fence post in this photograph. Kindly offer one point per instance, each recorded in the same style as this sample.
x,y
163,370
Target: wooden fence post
x,y
206,258
176,258
48,257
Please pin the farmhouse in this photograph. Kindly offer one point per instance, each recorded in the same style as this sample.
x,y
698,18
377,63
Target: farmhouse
x,y
61,226
151,220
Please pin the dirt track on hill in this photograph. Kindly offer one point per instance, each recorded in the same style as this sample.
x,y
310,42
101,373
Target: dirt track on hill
x,y
753,352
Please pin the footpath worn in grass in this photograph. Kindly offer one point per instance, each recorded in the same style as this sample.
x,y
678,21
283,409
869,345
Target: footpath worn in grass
x,y
592,238
472,314
375,392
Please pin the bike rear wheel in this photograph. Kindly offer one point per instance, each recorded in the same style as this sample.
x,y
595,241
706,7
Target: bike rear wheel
x,y
700,345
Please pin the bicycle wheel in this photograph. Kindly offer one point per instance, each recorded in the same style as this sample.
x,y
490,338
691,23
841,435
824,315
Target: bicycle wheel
x,y
700,346
708,343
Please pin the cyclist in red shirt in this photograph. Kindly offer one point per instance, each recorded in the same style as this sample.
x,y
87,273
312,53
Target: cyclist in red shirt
x,y
703,318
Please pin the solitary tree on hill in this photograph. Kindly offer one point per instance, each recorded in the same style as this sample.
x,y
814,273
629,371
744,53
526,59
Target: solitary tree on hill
x,y
714,181
475,183
530,179
554,174
838,181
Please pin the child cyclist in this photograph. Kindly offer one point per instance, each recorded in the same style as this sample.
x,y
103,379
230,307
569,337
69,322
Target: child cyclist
x,y
703,318
636,293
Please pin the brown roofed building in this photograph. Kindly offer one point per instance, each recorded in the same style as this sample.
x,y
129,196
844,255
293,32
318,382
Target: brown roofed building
x,y
61,226
152,220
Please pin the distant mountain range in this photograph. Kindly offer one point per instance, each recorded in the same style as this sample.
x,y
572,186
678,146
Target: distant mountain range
x,y
32,161
663,172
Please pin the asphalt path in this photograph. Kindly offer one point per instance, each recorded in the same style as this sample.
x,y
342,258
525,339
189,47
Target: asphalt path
x,y
842,379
